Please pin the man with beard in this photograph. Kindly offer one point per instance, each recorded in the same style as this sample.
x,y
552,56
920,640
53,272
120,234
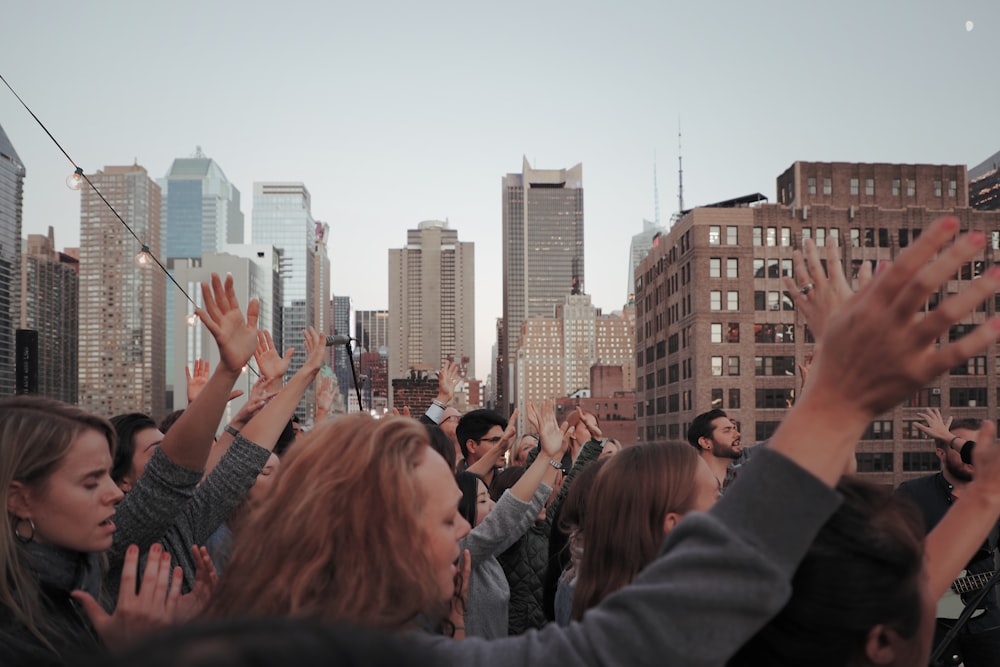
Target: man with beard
x,y
717,440
978,642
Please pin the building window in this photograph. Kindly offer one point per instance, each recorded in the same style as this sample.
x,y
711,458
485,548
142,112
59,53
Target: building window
x,y
734,333
732,300
786,236
929,397
732,236
715,300
758,236
895,187
717,398
820,236
714,235
782,365
855,186
764,430
714,267
773,398
920,462
772,236
786,267
874,461
952,188
811,183
880,429
734,398
716,332
827,186
972,366
734,365
717,366
732,267
855,237
911,187
968,397
870,186
937,188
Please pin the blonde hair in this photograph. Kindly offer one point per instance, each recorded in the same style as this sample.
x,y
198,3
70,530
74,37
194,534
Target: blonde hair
x,y
35,435
338,539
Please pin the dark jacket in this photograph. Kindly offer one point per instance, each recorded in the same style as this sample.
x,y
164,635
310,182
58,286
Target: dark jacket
x,y
527,561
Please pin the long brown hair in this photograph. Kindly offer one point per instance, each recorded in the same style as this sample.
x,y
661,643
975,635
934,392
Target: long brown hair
x,y
338,538
623,525
35,435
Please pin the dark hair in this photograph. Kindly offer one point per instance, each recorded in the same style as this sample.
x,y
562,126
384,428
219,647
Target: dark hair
x,y
267,642
574,505
468,484
474,425
286,438
863,569
702,427
126,426
169,420
505,479
441,444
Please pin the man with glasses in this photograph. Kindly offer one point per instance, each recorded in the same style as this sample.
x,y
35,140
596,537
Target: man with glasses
x,y
478,432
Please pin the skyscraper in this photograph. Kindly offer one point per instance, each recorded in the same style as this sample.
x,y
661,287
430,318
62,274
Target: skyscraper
x,y
122,305
282,217
542,254
49,288
341,362
431,300
642,243
984,184
11,191
200,215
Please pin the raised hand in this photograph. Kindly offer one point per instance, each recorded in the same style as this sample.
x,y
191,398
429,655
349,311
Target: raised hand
x,y
324,398
815,294
448,381
877,350
936,426
270,362
235,336
136,614
206,578
589,421
551,435
197,378
316,353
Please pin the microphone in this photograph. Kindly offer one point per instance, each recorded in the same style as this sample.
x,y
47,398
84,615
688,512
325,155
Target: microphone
x,y
966,452
339,339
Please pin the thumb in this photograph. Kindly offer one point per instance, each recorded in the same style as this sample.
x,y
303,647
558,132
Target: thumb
x,y
94,611
289,352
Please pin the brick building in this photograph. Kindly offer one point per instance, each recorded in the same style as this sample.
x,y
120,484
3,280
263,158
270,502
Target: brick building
x,y
714,327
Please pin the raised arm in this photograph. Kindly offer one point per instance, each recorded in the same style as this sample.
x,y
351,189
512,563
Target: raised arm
x,y
484,465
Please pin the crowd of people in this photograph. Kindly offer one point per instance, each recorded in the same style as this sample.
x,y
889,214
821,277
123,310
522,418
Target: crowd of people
x,y
454,539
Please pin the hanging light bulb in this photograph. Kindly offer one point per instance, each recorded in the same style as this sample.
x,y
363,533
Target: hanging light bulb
x,y
75,180
144,258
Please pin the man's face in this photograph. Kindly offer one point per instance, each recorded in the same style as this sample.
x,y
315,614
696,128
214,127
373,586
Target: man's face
x,y
951,456
725,440
489,440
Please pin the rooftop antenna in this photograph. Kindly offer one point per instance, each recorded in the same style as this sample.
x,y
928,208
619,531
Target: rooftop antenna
x,y
680,170
656,193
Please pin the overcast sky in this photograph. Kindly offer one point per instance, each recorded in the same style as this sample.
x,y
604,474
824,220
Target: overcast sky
x,y
397,112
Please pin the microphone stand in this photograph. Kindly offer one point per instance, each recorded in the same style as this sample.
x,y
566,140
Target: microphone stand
x,y
354,373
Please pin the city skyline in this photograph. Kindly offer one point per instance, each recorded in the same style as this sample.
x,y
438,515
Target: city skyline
x,y
416,113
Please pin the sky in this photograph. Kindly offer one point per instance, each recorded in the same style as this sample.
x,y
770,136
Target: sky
x,y
396,112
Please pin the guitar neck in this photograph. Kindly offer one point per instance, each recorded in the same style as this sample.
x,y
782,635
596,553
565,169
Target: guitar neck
x,y
970,583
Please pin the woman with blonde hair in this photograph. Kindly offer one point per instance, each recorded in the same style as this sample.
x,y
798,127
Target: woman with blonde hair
x,y
350,561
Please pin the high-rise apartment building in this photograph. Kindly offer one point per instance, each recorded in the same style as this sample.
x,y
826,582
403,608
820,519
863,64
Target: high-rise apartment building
x,y
371,329
555,354
12,174
431,300
122,305
542,255
282,217
984,184
49,290
341,361
715,329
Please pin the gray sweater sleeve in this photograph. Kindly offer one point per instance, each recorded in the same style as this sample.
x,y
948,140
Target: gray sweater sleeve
x,y
720,577
504,525
146,511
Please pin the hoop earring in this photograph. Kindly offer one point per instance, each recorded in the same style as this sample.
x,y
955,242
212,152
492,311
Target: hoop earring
x,y
21,538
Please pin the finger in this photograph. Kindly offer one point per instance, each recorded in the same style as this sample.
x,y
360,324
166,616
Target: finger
x,y
187,373
161,583
174,594
951,355
150,574
835,269
898,284
288,353
864,275
236,393
130,566
817,276
232,303
957,306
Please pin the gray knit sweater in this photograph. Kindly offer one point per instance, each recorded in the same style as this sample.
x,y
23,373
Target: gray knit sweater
x,y
168,506
488,592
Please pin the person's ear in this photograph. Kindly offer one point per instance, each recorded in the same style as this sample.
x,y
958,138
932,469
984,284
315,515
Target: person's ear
x,y
670,521
882,645
470,446
705,444
18,500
